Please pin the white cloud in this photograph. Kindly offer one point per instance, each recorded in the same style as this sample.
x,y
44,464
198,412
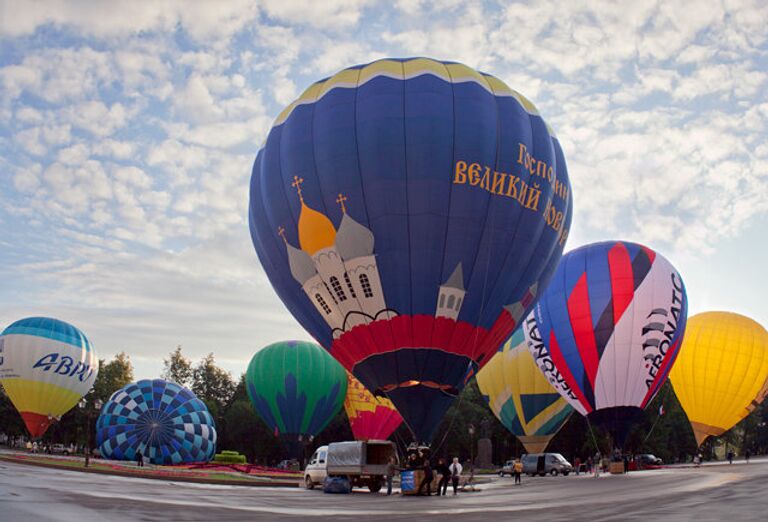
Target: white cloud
x,y
114,148
27,180
132,176
97,118
124,18
329,14
17,78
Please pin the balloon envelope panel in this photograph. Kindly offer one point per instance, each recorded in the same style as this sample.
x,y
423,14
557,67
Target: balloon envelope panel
x,y
167,423
296,387
521,397
46,366
721,374
607,330
370,417
407,212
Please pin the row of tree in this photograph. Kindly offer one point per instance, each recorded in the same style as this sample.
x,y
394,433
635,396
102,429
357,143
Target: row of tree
x,y
668,436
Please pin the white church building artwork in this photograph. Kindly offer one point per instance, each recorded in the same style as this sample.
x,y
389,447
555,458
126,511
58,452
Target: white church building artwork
x,y
337,271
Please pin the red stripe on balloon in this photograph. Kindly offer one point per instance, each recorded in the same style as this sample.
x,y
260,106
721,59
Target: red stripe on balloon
x,y
580,315
622,279
565,371
650,253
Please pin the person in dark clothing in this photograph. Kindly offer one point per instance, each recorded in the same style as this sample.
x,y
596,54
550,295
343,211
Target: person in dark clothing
x,y
412,463
445,476
747,454
139,459
391,469
428,476
730,457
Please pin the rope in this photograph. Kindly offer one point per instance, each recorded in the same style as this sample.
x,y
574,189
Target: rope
x,y
658,417
450,426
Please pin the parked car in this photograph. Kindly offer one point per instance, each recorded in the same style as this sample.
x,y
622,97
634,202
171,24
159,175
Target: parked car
x,y
508,468
60,449
649,459
364,463
545,463
289,464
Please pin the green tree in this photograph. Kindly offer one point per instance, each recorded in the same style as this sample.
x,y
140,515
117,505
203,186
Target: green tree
x,y
212,384
112,376
11,422
178,368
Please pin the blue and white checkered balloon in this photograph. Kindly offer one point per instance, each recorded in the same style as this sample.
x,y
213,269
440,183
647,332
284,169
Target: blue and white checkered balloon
x,y
167,423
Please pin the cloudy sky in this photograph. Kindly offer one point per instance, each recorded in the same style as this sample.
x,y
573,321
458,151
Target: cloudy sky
x,y
128,130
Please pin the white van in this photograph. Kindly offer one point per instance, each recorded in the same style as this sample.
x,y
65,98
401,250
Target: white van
x,y
543,463
316,470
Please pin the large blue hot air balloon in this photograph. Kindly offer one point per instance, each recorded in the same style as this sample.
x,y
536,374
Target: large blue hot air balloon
x,y
407,212
608,329
163,420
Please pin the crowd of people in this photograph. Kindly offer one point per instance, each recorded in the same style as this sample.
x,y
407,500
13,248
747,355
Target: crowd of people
x,y
419,459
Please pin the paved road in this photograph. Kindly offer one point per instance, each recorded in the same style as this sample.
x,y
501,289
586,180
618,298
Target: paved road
x,y
719,492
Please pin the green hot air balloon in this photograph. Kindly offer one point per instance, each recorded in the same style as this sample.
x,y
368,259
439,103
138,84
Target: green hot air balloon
x,y
296,387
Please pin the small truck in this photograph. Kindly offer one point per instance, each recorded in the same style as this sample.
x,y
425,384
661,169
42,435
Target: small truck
x,y
364,463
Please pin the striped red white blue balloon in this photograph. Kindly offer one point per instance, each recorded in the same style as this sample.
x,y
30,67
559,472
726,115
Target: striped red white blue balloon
x,y
608,329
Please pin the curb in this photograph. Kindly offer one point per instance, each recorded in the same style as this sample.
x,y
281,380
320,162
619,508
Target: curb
x,y
196,480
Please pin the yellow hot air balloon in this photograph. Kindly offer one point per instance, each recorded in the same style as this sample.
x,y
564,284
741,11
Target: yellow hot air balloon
x,y
721,373
46,366
520,395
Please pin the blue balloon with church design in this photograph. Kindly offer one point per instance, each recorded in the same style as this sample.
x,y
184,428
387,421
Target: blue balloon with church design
x,y
408,212
163,421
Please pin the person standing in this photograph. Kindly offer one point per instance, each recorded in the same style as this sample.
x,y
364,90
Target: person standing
x,y
517,470
577,464
428,477
139,459
747,454
730,456
456,470
390,474
445,477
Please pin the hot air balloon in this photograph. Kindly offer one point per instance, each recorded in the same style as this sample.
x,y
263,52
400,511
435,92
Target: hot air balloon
x,y
46,366
607,330
406,212
721,374
295,387
370,417
521,397
166,422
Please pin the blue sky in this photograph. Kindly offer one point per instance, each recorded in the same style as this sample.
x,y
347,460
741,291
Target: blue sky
x,y
128,131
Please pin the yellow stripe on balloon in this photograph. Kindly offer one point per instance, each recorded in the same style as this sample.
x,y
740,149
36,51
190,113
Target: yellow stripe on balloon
x,y
40,397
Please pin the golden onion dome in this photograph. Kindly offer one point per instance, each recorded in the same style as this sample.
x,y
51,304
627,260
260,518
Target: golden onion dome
x,y
315,230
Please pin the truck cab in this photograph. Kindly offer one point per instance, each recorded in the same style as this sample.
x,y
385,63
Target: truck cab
x,y
316,469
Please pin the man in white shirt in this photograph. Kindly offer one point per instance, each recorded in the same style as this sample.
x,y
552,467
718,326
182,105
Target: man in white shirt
x,y
456,469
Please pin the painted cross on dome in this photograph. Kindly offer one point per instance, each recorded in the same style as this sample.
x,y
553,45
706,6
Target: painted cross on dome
x,y
340,200
297,181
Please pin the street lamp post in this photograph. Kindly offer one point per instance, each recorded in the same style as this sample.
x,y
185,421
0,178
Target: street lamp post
x,y
471,430
97,404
